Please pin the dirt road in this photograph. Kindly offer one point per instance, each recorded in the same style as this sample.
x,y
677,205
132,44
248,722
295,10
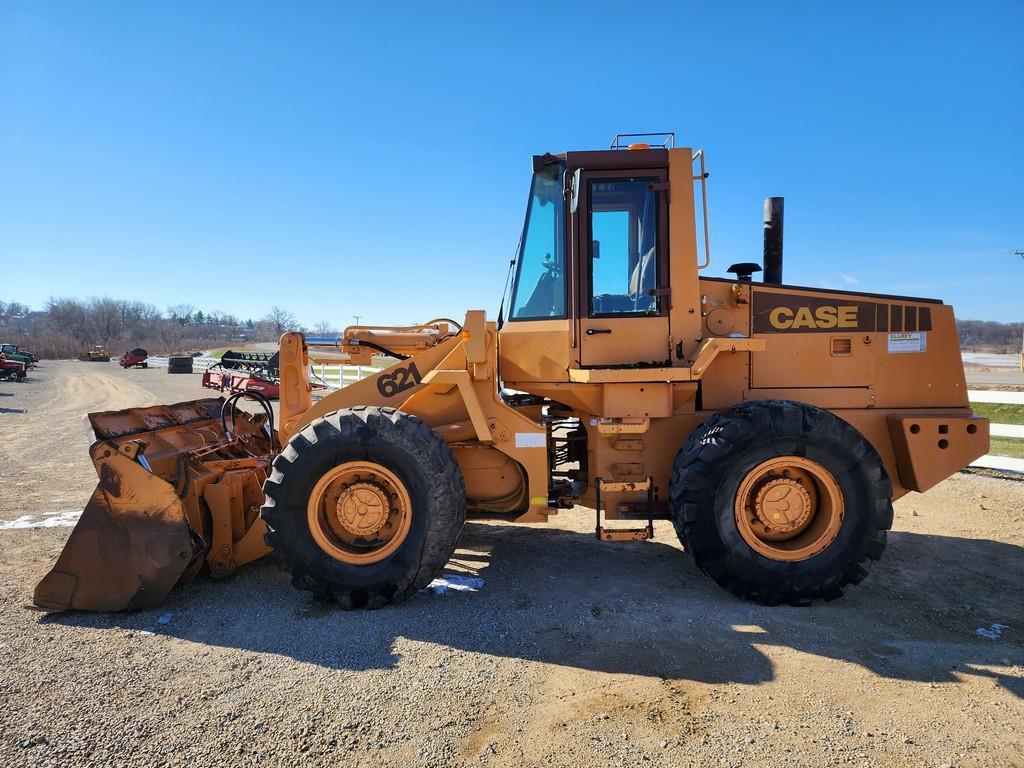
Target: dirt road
x,y
573,652
46,434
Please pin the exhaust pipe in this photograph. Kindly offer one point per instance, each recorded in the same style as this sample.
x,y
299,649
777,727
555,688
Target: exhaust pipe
x,y
773,219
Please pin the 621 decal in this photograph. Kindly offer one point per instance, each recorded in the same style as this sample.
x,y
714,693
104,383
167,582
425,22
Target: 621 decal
x,y
398,380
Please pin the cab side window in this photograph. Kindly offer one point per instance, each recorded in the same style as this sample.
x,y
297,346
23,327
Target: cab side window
x,y
624,252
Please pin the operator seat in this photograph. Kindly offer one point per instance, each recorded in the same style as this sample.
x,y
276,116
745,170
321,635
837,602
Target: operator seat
x,y
644,277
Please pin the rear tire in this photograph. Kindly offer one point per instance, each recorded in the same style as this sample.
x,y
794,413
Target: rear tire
x,y
413,461
716,474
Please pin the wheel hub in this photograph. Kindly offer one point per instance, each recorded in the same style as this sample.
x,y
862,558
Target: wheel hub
x,y
783,504
362,509
789,508
359,512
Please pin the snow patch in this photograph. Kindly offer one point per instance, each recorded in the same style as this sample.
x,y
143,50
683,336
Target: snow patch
x,y
56,519
992,633
151,631
89,433
442,584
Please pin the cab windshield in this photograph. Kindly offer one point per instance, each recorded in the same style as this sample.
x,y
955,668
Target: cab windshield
x,y
539,288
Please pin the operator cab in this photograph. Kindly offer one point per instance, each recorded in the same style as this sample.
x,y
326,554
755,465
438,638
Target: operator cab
x,y
594,262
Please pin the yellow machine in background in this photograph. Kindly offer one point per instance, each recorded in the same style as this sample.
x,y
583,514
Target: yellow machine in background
x,y
772,424
98,354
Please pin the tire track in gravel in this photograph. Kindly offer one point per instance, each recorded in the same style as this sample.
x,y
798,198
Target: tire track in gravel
x,y
46,473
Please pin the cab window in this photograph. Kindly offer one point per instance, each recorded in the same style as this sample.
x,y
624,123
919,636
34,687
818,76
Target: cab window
x,y
539,288
624,258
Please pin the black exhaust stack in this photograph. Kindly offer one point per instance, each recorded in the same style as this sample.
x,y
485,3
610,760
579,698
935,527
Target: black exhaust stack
x,y
773,218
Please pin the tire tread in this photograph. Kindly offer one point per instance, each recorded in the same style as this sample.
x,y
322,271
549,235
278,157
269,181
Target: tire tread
x,y
447,489
702,460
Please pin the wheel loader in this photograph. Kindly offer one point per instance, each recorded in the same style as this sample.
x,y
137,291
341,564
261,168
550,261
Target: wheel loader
x,y
98,354
772,423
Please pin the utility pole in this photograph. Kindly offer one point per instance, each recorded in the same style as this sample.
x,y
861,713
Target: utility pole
x,y
357,317
1020,252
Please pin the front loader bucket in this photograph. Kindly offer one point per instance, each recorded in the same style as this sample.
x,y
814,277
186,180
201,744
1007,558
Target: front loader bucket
x,y
129,548
176,491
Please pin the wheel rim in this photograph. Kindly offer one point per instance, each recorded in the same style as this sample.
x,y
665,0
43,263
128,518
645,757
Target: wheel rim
x,y
359,512
789,508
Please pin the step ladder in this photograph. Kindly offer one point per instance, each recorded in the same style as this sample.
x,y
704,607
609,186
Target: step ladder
x,y
625,534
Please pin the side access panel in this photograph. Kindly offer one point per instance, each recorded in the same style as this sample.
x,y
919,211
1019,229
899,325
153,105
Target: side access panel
x,y
816,340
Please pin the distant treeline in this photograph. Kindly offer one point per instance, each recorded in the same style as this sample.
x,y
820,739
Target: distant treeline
x,y
989,336
69,327
66,328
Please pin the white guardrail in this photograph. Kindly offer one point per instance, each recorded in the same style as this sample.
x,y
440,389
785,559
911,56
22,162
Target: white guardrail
x,y
1000,430
334,376
338,376
199,364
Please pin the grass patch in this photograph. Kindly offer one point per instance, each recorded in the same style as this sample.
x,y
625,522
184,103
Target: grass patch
x,y
1000,413
1003,413
1007,446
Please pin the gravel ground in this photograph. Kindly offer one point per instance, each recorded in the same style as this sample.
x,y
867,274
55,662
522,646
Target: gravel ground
x,y
574,652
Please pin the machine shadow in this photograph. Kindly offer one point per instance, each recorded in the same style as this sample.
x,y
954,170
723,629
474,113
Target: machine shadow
x,y
642,608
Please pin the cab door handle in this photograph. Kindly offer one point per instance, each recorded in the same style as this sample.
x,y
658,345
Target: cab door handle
x,y
592,331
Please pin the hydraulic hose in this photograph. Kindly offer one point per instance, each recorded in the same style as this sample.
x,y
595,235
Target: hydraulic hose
x,y
444,320
379,348
231,402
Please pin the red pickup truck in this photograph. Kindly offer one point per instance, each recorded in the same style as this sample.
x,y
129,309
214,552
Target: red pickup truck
x,y
135,358
11,370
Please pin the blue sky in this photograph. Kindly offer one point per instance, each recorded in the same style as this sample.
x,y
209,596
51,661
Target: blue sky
x,y
374,159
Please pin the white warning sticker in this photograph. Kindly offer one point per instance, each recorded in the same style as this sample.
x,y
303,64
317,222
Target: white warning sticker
x,y
908,342
531,440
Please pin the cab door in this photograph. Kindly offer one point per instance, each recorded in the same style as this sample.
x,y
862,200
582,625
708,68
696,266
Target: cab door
x,y
622,262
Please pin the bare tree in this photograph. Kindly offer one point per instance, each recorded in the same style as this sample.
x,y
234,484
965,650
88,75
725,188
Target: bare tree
x,y
325,328
107,321
67,327
216,317
137,312
14,309
170,335
280,320
989,336
69,316
181,313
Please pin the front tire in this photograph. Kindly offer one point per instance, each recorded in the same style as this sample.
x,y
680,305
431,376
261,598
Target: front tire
x,y
365,506
781,502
